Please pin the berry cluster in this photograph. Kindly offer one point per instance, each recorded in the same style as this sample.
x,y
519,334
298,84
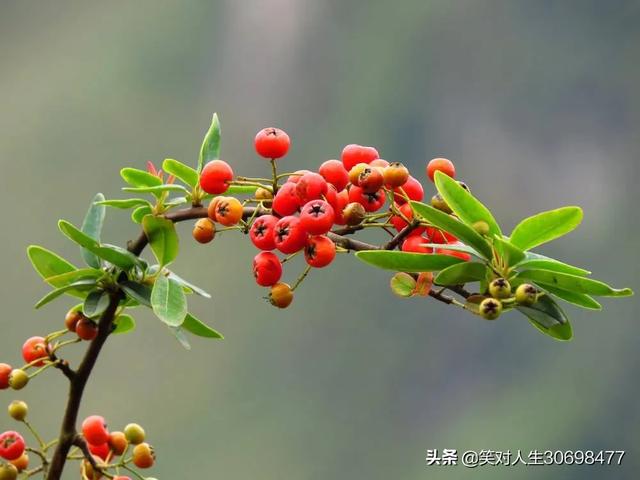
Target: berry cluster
x,y
501,293
300,213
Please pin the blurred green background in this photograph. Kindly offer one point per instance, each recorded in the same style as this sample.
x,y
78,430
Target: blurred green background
x,y
536,102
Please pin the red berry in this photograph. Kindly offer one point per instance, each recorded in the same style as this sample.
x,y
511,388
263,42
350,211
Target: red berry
x,y
267,269
413,243
295,176
33,349
286,201
340,203
439,236
370,201
380,164
11,445
412,188
95,430
354,154
289,235
454,253
317,217
399,223
261,233
215,177
272,143
440,165
395,175
311,186
320,251
334,172
87,329
121,477
370,180
5,371
102,450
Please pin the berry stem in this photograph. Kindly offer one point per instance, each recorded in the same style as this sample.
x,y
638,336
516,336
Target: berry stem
x,y
301,278
274,174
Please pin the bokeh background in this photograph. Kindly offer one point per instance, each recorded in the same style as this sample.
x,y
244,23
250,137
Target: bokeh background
x,y
536,102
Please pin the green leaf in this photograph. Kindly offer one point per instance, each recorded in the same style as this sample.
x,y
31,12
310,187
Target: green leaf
x,y
124,203
92,227
545,226
193,325
535,261
139,213
573,283
460,247
138,292
170,187
178,332
189,286
465,206
162,237
65,279
168,301
96,303
235,190
139,178
179,170
509,252
462,273
210,149
547,316
48,264
124,324
407,262
578,299
446,222
403,284
80,286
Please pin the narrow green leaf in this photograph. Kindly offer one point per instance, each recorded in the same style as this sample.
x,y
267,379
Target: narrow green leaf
x,y
171,187
573,283
210,149
179,170
462,273
547,316
535,261
80,286
125,203
468,208
235,190
139,178
545,226
168,301
65,279
407,262
463,232
579,299
163,238
509,252
179,334
95,304
92,227
139,213
124,324
138,292
189,286
193,325
460,247
403,284
48,264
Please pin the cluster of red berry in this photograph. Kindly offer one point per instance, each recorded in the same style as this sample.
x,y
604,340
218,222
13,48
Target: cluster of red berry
x,y
299,214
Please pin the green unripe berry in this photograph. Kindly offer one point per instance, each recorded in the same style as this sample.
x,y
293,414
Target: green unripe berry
x,y
500,288
18,410
134,433
526,294
490,308
18,379
439,203
481,227
8,472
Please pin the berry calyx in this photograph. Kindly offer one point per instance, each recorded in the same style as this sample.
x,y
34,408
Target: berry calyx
x,y
262,232
143,456
267,269
5,371
500,288
228,211
334,173
87,329
33,349
316,217
320,251
272,143
12,445
94,429
18,379
354,154
281,295
440,165
18,410
395,175
289,235
134,433
490,308
215,177
354,173
371,202
526,294
204,230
